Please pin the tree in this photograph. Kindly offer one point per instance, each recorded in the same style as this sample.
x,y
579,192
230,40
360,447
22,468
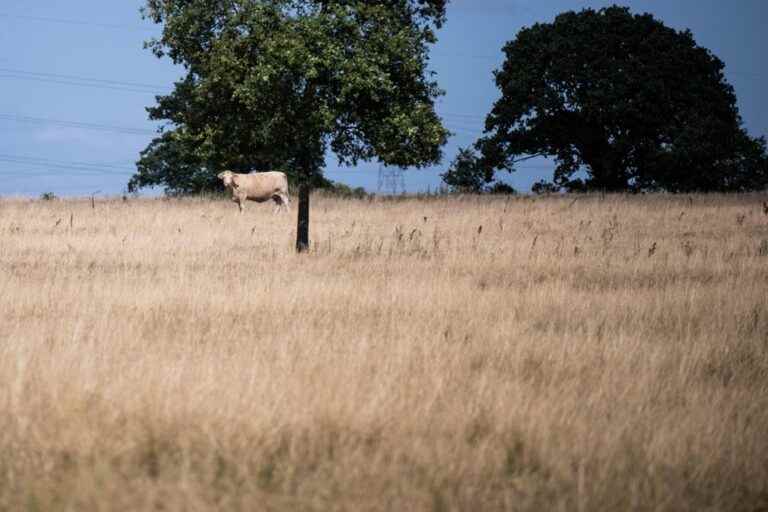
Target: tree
x,y
467,175
635,104
279,82
173,161
464,174
170,161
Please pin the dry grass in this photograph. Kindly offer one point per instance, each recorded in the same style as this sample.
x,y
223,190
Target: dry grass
x,y
436,354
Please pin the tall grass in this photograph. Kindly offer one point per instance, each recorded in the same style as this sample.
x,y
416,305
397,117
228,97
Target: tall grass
x,y
599,353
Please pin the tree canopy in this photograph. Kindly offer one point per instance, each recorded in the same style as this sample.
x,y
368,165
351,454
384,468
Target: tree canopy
x,y
274,80
466,175
634,104
277,83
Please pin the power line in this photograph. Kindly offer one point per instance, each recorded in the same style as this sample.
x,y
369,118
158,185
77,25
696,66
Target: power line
x,y
78,84
468,56
50,19
746,73
71,171
467,125
140,131
87,79
464,116
75,124
463,125
463,131
83,167
47,161
81,80
76,22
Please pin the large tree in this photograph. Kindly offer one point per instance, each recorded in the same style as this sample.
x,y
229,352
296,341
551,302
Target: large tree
x,y
279,82
633,103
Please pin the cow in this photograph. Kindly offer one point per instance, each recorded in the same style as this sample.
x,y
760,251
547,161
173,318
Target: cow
x,y
257,186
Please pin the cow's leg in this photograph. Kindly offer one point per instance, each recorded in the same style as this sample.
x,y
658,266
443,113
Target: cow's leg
x,y
240,202
284,201
236,199
279,203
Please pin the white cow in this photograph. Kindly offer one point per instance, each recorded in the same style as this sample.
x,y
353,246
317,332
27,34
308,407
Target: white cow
x,y
257,186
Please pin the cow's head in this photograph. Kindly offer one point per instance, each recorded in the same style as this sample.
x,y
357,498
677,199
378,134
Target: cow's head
x,y
228,177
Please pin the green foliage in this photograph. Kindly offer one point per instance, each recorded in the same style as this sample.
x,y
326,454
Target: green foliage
x,y
336,189
273,84
464,174
544,187
467,175
48,196
501,188
170,161
636,104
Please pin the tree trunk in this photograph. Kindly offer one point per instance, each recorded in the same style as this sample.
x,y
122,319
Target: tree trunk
x,y
606,176
302,223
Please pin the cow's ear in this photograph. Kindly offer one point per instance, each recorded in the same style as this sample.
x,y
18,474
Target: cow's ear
x,y
235,181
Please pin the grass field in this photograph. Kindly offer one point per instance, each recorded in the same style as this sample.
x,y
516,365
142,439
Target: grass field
x,y
590,353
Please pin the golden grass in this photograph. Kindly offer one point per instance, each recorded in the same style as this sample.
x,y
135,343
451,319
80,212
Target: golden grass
x,y
599,353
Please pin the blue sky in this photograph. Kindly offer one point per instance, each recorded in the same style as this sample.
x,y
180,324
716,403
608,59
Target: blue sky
x,y
75,82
